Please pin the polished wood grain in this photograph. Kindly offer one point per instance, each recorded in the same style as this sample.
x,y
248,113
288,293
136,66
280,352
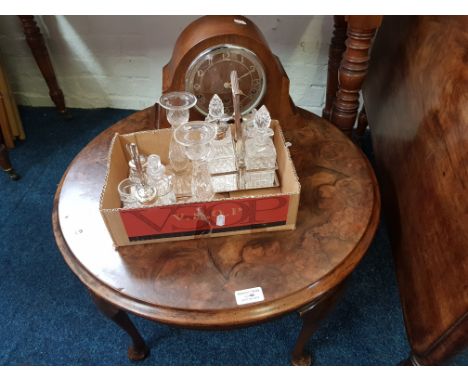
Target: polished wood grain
x,y
39,50
416,97
192,283
209,31
353,69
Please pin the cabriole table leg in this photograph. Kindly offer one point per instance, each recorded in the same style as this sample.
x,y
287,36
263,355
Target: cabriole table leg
x,y
138,350
312,315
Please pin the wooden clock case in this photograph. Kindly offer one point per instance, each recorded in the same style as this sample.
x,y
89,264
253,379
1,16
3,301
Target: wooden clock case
x,y
209,31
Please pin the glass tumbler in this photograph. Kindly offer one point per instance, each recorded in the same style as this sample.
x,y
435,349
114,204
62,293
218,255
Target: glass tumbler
x,y
126,190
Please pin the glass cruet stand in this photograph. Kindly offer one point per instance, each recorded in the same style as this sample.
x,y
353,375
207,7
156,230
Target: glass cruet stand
x,y
196,138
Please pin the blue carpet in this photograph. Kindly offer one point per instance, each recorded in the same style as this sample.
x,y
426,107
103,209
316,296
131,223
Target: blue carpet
x,y
47,317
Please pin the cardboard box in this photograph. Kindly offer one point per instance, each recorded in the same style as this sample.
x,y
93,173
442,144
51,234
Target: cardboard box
x,y
233,213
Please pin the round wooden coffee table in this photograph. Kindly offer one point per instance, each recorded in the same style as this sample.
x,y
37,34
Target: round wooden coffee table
x,y
192,283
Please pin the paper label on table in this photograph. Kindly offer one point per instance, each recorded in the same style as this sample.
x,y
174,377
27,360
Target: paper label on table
x,y
248,296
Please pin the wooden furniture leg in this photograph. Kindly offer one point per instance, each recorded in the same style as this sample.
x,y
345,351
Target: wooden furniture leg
x,y
362,122
5,163
312,315
335,54
41,55
138,350
353,69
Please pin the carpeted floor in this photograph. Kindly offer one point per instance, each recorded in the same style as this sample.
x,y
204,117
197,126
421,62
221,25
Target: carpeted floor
x,y
47,317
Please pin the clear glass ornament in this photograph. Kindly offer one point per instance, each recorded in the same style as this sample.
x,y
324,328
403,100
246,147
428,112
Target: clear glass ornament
x,y
196,138
248,122
223,156
157,177
177,106
215,109
127,194
133,174
260,152
225,182
144,193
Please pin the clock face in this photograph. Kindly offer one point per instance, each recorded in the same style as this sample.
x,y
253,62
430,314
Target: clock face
x,y
210,72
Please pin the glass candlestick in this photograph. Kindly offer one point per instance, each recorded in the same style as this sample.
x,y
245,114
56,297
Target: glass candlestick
x,y
177,106
196,138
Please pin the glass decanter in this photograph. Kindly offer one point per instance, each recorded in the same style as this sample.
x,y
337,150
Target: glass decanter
x,y
157,177
248,122
223,156
260,152
177,106
196,138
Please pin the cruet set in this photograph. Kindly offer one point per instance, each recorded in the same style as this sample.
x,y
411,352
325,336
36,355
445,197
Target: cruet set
x,y
205,157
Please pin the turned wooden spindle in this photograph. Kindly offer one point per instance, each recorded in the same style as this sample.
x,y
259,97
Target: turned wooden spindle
x,y
353,69
41,55
335,54
362,122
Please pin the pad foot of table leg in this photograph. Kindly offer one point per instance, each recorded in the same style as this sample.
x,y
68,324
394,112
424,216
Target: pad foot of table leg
x,y
12,174
135,354
303,360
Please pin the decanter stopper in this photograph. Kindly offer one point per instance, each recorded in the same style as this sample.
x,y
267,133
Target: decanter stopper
x,y
216,115
262,118
215,108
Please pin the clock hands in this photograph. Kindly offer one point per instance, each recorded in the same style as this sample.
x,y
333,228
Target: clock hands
x,y
245,74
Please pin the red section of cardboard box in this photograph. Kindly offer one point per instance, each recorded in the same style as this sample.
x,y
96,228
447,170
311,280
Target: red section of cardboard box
x,y
191,218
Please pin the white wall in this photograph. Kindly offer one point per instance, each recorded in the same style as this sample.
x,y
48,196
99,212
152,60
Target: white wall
x,y
116,61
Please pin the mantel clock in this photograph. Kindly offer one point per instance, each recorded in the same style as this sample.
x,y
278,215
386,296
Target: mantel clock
x,y
210,48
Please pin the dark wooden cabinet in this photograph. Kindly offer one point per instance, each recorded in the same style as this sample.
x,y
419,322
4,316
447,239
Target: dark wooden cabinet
x,y
416,97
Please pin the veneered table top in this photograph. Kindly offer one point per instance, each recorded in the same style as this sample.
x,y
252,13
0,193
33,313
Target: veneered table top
x,y
192,283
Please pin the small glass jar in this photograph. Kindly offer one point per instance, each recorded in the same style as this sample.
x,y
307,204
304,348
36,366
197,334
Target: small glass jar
x,y
157,177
